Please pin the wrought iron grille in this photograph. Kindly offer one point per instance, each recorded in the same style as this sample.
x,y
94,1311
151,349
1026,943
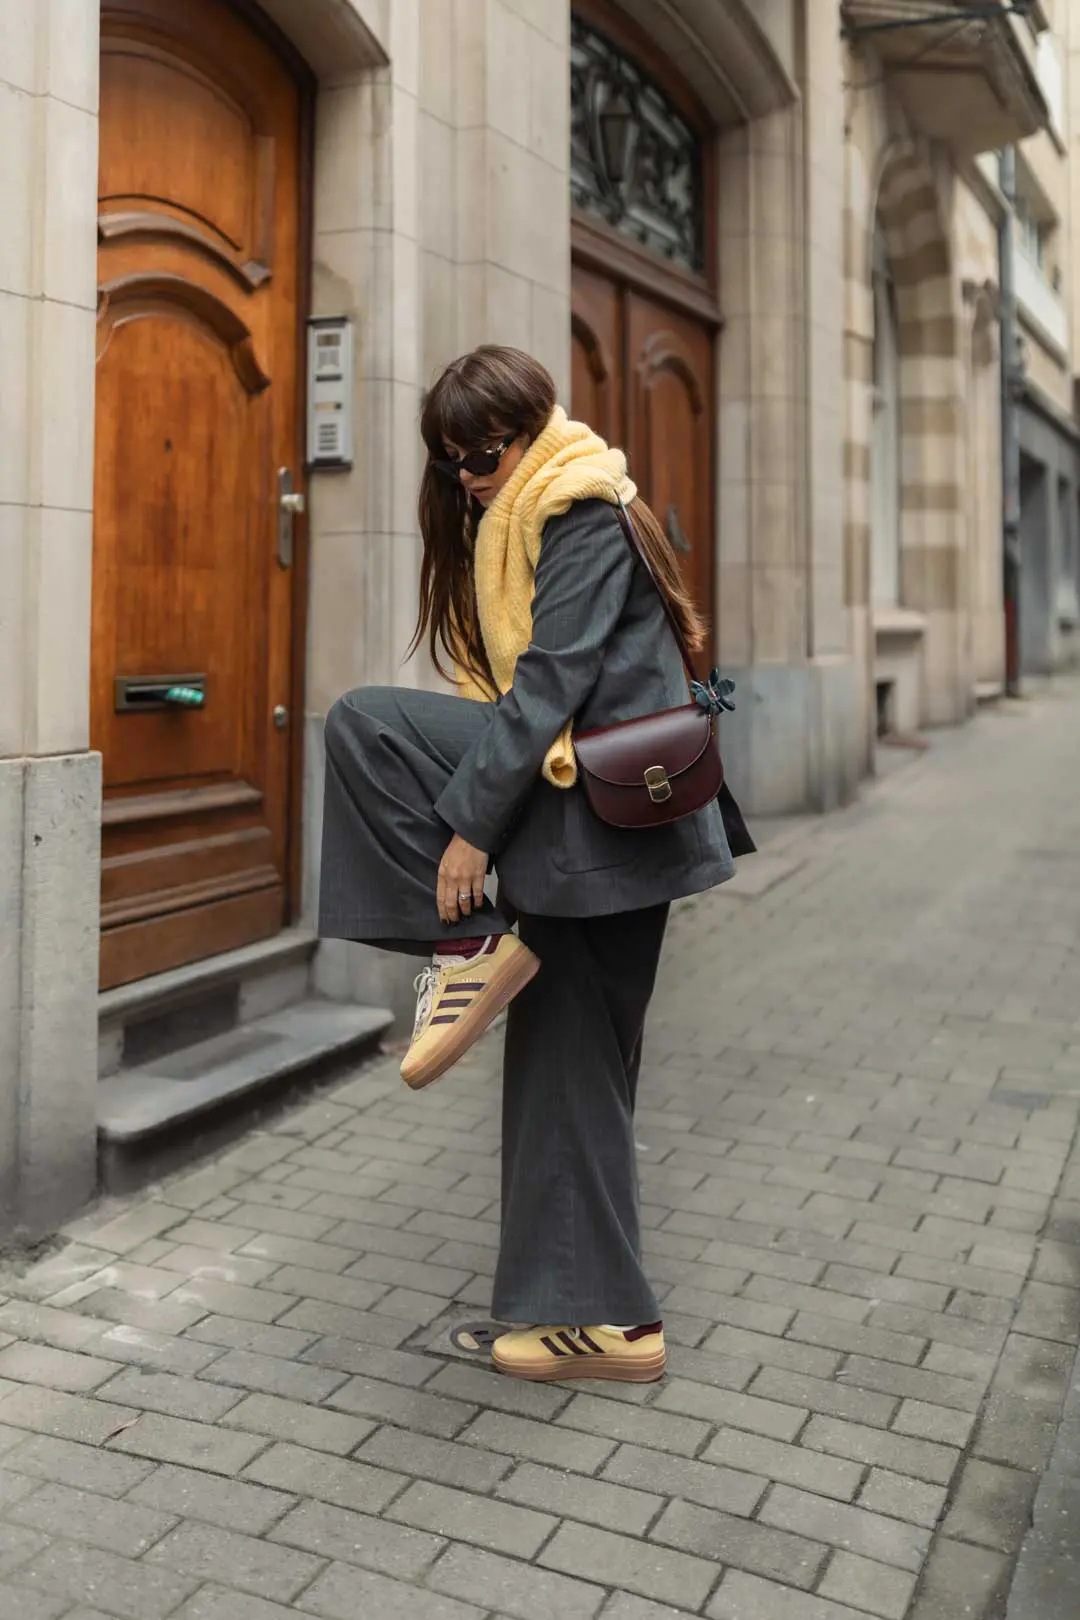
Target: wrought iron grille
x,y
657,202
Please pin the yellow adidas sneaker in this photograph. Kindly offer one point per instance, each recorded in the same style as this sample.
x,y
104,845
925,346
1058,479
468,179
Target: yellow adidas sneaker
x,y
458,999
633,1355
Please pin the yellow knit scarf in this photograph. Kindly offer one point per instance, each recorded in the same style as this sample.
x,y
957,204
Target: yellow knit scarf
x,y
568,462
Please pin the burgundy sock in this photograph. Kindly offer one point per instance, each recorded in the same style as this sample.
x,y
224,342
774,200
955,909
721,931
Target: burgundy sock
x,y
467,948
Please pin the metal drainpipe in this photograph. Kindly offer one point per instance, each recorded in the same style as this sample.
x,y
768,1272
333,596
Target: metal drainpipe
x,y
1010,426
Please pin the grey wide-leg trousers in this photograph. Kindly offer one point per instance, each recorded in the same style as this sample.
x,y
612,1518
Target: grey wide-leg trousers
x,y
570,1247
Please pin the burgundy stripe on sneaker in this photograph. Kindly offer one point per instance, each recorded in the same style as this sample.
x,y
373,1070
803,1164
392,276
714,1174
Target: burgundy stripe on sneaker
x,y
450,1018
458,988
549,1344
587,1342
570,1345
633,1334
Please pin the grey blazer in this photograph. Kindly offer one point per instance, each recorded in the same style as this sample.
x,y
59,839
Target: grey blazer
x,y
601,651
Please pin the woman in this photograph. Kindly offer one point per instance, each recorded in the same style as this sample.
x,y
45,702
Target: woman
x,y
530,589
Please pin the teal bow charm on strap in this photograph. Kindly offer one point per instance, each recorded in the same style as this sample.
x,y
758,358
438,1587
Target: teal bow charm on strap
x,y
714,694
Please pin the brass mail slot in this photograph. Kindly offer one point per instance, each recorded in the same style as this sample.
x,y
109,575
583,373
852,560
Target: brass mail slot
x,y
140,694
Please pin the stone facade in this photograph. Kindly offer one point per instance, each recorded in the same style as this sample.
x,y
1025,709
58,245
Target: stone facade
x,y
440,219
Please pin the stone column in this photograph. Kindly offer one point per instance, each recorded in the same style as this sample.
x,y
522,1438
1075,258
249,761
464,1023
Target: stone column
x,y
50,783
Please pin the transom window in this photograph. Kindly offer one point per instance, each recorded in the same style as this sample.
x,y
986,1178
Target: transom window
x,y
634,160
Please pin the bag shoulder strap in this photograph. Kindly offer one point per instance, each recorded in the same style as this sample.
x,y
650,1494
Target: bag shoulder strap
x,y
634,542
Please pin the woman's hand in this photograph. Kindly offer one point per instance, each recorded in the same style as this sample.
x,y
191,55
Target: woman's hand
x,y
461,880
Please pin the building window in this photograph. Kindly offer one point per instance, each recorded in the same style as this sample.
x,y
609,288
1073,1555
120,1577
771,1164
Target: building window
x,y
634,160
1031,234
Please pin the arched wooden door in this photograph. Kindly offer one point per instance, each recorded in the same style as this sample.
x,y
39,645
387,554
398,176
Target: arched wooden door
x,y
197,413
644,316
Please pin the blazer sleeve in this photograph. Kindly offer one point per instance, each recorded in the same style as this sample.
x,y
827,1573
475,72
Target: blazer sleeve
x,y
583,578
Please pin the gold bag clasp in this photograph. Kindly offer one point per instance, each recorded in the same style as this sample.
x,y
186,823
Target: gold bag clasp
x,y
656,780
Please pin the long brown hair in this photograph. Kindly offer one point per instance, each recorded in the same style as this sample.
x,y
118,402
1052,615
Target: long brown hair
x,y
479,400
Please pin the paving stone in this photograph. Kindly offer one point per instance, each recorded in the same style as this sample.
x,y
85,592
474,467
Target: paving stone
x,y
613,1507
540,1442
13,1487
770,1459
934,1423
68,1417
799,1358
865,1585
213,1265
520,1591
221,1603
1020,1417
229,1333
119,1586
394,1366
165,1316
482,1387
635,1566
217,1235
431,1414
461,1516
26,1604
743,1543
135,1225
919,1458
892,1290
889,1378
901,1497
1046,1312
343,1593
194,1445
992,1506
317,1427
447,1462
79,1515
233,1299
850,1338
54,1369
625,1606
308,1473
853,1529
324,1317
823,1395
614,1421
962,1580
152,1391
231,1504
17,1544
253,1565
728,1407
356,1538
143,1349
271,1375
65,1463
44,1324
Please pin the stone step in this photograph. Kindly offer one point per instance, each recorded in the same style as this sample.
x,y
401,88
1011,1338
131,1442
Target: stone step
x,y
149,1103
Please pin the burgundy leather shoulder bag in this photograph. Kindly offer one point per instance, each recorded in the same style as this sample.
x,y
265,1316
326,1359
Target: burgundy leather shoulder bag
x,y
660,767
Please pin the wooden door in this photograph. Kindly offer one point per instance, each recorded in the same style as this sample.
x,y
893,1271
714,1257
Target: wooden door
x,y
197,410
642,375
670,431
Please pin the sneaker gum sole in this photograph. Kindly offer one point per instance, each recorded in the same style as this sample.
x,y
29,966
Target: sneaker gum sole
x,y
642,1370
520,968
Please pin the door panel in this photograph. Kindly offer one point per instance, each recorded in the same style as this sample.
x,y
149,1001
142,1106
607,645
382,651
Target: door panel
x,y
197,408
643,377
670,432
596,354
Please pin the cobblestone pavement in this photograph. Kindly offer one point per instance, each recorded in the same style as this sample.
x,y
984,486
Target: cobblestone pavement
x,y
234,1399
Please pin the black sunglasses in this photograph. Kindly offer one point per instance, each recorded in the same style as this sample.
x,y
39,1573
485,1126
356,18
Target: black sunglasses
x,y
480,463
